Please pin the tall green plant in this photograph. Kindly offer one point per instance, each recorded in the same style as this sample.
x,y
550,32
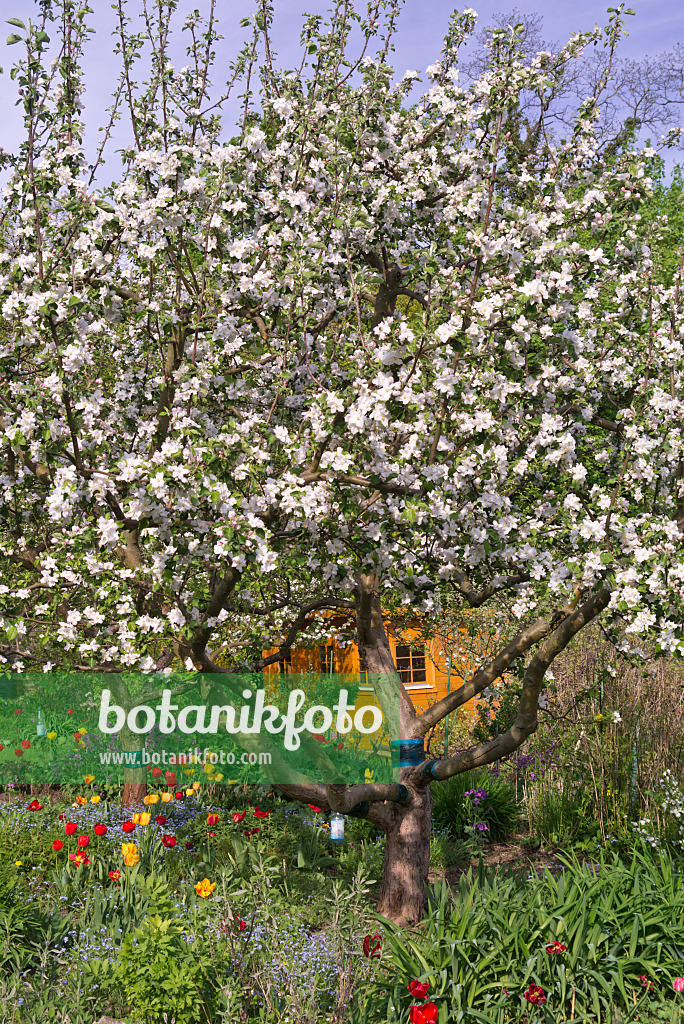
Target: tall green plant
x,y
594,938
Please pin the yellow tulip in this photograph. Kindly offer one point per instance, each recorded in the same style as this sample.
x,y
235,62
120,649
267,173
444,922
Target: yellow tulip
x,y
81,800
166,798
52,735
145,818
130,854
83,730
205,888
190,792
189,771
209,768
196,785
135,818
89,779
151,798
18,863
218,777
95,799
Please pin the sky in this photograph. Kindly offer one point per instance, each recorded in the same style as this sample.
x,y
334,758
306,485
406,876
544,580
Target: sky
x,y
656,26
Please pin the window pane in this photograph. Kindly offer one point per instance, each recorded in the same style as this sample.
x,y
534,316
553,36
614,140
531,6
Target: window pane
x,y
403,651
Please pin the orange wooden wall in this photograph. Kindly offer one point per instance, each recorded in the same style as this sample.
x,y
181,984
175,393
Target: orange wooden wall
x,y
346,662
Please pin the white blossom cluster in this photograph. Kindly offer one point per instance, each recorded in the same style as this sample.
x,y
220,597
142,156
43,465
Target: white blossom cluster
x,y
193,390
673,801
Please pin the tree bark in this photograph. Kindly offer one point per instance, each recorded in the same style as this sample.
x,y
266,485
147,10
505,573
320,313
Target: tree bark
x,y
133,793
407,860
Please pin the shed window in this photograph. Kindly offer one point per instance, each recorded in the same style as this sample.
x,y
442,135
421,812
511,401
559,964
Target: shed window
x,y
411,664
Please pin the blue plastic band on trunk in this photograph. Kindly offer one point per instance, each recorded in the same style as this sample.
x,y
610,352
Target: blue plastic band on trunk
x,y
402,795
407,753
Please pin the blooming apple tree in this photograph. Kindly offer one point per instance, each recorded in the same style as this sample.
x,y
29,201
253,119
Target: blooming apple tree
x,y
358,355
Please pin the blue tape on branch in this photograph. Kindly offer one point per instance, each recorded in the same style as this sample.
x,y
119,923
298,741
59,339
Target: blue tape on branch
x,y
429,769
402,795
407,753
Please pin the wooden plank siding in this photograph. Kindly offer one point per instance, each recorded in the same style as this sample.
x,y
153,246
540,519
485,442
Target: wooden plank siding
x,y
422,666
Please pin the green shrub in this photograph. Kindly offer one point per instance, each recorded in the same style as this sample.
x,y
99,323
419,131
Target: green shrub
x,y
157,971
453,811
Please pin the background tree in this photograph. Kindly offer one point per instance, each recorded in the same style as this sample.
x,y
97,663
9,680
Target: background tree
x,y
219,418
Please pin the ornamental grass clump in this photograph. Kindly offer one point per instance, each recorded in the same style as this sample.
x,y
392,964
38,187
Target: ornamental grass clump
x,y
579,945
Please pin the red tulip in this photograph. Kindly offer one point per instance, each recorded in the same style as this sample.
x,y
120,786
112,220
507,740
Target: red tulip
x,y
169,842
258,813
156,772
238,816
115,875
18,711
178,796
316,810
128,826
70,828
2,746
18,752
556,947
171,779
339,746
57,845
70,712
83,841
251,831
426,1014
418,989
35,806
77,736
160,819
100,830
26,744
213,819
371,946
79,858
61,817
240,923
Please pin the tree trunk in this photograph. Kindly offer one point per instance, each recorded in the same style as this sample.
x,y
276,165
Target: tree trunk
x,y
407,860
135,784
133,793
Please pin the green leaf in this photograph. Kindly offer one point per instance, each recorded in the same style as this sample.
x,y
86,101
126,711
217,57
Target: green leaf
x,y
13,38
17,23
12,632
